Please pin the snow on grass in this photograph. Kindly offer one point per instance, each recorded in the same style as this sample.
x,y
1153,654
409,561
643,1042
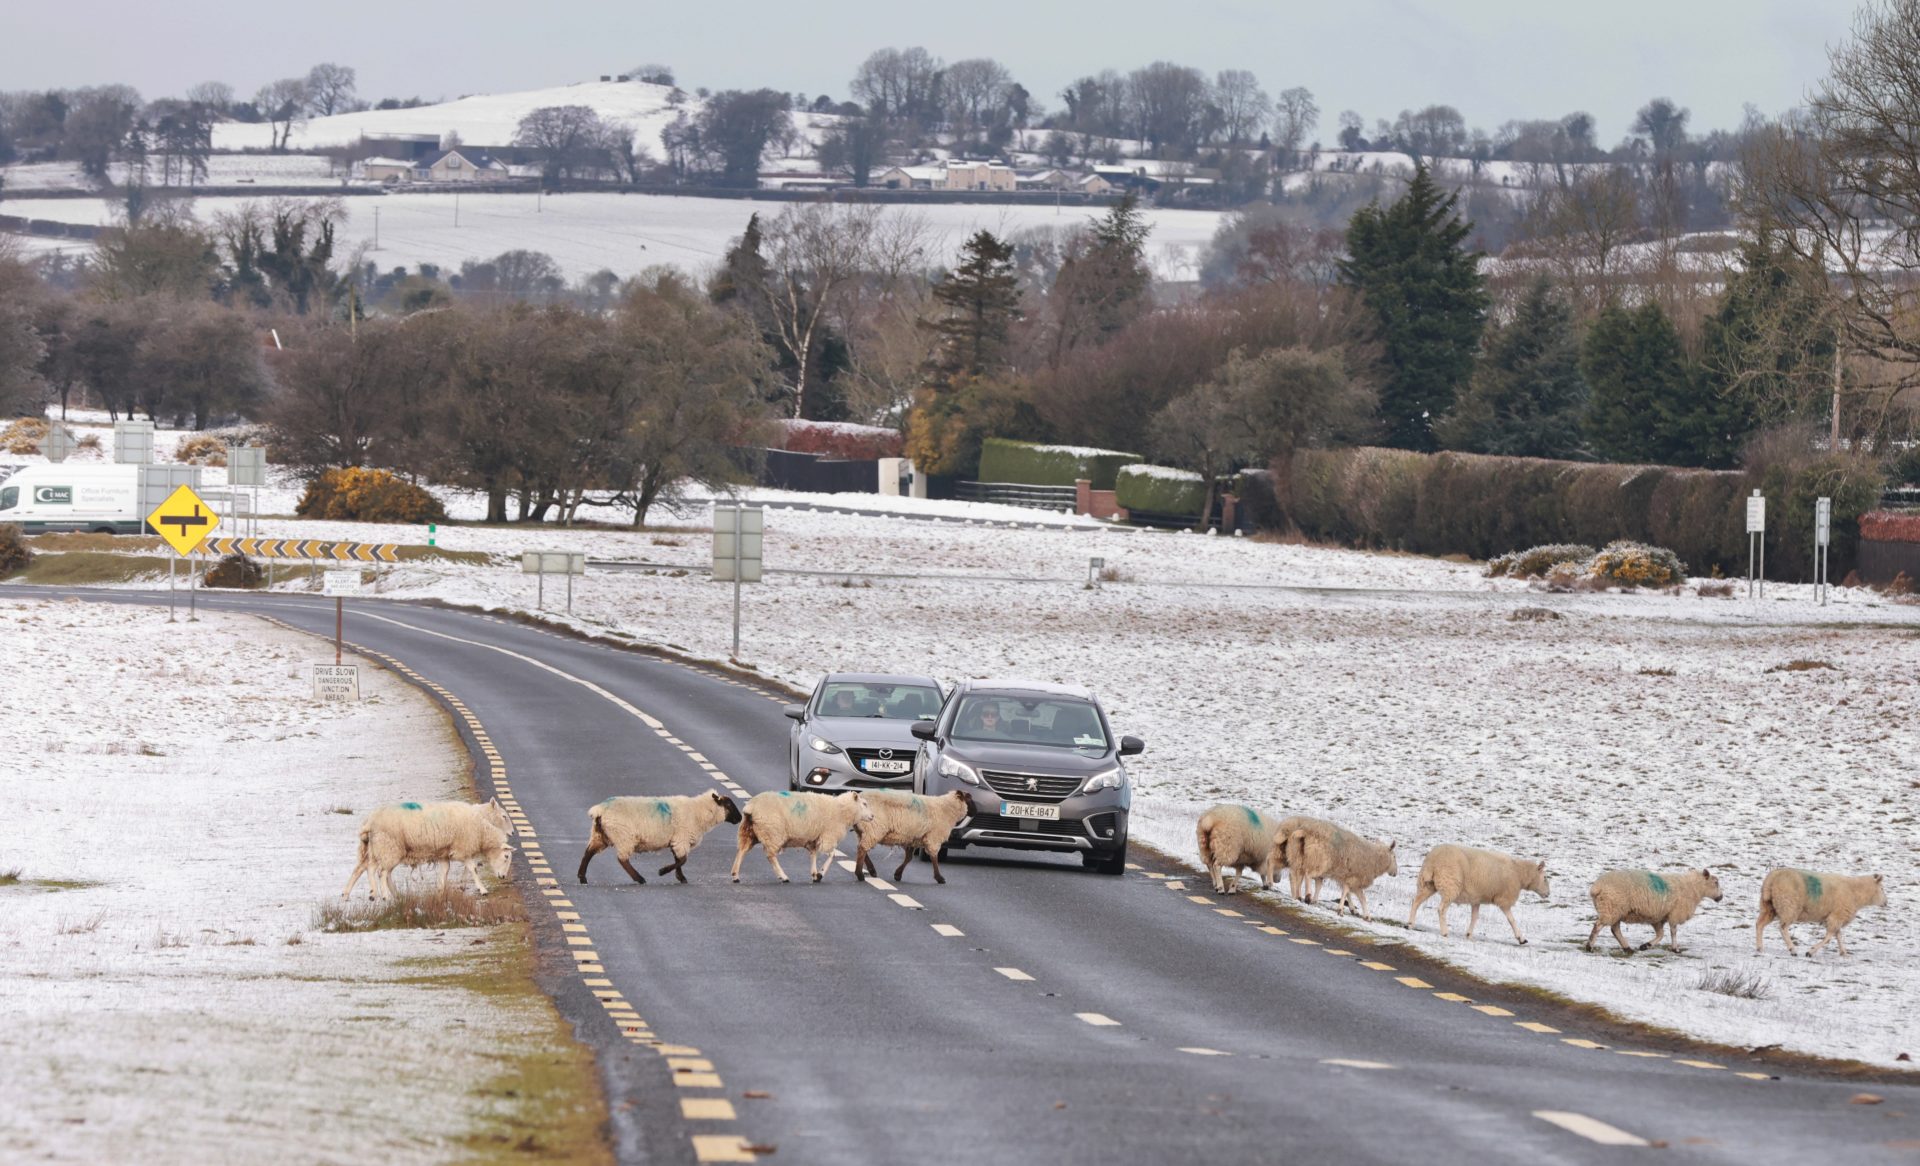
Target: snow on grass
x,y
178,806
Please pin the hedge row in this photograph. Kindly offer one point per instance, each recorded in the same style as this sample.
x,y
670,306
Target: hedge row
x,y
1159,490
1453,503
839,440
1888,526
1032,464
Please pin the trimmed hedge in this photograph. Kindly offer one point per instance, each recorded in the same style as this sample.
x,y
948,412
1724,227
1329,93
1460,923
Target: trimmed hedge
x,y
1456,503
1887,526
836,439
1034,464
1160,490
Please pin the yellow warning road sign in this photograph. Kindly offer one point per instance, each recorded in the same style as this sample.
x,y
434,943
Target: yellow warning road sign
x,y
183,520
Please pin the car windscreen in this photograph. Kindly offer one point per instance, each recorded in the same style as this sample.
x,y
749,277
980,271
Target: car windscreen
x,y
893,702
1062,721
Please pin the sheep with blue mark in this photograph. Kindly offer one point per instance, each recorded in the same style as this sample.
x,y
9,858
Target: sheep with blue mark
x,y
1233,837
636,824
812,822
1794,896
911,822
421,833
1644,896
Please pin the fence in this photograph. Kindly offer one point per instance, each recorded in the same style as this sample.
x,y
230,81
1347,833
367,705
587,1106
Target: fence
x,y
1018,494
810,473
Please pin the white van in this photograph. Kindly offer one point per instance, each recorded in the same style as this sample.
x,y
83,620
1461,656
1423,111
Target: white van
x,y
62,497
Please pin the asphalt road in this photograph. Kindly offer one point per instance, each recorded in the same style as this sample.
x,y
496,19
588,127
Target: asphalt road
x,y
1026,1011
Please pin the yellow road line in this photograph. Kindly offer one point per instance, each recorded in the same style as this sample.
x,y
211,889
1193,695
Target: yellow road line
x,y
1491,1010
1376,965
1577,1043
706,1109
1535,1026
722,1148
1699,1064
1413,981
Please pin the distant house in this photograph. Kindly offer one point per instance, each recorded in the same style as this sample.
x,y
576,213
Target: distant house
x,y
459,166
1094,184
386,170
912,178
1044,180
1123,178
965,175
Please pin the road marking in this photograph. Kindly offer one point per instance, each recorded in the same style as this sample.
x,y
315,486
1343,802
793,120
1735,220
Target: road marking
x,y
598,983
1205,1052
1376,965
1631,1053
592,956
1453,997
1272,930
1344,1063
1589,1128
1013,973
1198,899
677,1051
907,901
690,1064
1228,913
948,930
1337,951
1308,942
846,866
1699,1064
697,1080
1491,1010
1097,1020
573,927
608,993
706,1109
1756,1076
1133,866
1535,1026
1577,1043
1412,981
879,884
1154,874
1174,885
722,1148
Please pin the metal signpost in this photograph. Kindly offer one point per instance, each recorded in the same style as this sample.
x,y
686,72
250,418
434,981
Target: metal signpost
x,y
1822,551
60,444
544,563
132,442
1756,543
184,520
737,535
339,584
247,466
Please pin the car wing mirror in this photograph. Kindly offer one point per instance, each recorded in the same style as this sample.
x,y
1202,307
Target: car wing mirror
x,y
797,712
925,730
1131,745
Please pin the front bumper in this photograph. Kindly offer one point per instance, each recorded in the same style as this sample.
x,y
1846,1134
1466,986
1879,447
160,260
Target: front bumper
x,y
1099,830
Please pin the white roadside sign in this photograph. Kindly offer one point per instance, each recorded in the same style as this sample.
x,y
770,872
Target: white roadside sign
x,y
336,682
1823,522
340,583
1756,514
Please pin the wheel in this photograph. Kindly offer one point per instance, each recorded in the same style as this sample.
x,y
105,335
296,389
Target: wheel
x,y
1114,863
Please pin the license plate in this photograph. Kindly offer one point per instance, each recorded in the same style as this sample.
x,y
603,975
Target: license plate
x,y
1028,810
881,765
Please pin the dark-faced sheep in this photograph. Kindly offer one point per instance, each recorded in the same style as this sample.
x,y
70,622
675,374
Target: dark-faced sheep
x,y
629,825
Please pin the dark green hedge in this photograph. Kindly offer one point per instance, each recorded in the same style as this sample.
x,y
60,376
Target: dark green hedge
x,y
1034,464
1453,503
1136,488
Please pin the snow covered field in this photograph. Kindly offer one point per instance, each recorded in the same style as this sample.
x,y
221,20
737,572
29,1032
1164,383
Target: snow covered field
x,y
178,805
631,232
222,170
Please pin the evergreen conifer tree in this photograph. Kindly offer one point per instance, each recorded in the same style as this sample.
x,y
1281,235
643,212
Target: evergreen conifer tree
x,y
1634,363
980,300
1527,397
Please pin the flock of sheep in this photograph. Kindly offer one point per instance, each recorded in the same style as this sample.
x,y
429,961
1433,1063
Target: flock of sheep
x,y
1233,838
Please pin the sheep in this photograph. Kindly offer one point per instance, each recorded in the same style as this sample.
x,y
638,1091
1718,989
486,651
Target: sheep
x,y
1350,860
675,823
1287,858
909,821
417,833
1461,874
1803,896
814,822
1641,896
1232,837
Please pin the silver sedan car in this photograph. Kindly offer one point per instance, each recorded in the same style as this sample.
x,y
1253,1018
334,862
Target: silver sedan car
x,y
855,731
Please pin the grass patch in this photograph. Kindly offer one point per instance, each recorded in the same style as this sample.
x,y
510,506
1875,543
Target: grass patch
x,y
1802,666
85,926
425,554
84,541
78,568
9,877
59,884
1656,672
1750,984
339,809
433,910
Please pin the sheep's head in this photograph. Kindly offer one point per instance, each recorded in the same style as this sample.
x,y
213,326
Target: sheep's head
x,y
726,803
1537,883
1393,860
966,801
1879,892
865,813
496,813
500,858
1710,884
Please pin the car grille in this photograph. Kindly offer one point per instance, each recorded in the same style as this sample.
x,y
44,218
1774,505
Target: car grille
x,y
1043,789
859,756
1064,828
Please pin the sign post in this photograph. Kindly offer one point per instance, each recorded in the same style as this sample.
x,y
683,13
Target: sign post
x,y
184,521
1822,548
247,466
339,584
737,535
59,444
1756,544
544,563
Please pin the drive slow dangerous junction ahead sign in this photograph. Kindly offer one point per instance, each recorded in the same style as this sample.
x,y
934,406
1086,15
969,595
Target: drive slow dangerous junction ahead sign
x,y
183,520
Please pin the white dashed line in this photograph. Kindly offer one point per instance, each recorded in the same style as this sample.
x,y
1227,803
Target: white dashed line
x,y
1589,1128
1097,1020
1347,1064
948,930
907,901
1013,973
1204,1052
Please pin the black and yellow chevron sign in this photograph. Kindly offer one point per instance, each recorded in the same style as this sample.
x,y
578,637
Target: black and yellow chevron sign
x,y
305,548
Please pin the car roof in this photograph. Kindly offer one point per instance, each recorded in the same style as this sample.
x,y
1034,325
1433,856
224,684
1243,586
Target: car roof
x,y
879,678
1028,686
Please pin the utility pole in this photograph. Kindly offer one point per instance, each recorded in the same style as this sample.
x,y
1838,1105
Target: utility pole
x,y
1833,435
376,228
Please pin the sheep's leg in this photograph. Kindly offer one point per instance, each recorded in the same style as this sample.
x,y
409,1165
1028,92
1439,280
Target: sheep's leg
x,y
1511,922
1620,938
1760,928
933,853
594,846
1787,937
626,865
473,868
1840,941
382,883
863,863
362,865
446,868
1214,873
1421,895
1446,905
1673,936
1365,911
906,856
821,861
746,844
678,865
1824,941
1473,919
773,857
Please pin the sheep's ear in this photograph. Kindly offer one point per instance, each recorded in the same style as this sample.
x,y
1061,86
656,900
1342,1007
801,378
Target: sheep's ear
x,y
1879,878
1390,844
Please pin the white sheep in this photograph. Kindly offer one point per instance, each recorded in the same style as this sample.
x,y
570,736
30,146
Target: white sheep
x,y
637,824
1348,859
1642,896
1804,896
1285,855
1461,874
1233,837
911,822
813,822
418,833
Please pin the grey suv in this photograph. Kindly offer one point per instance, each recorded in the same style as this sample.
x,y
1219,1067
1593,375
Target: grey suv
x,y
1042,758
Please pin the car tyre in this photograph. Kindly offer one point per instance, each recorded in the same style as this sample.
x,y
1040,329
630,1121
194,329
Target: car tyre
x,y
1112,863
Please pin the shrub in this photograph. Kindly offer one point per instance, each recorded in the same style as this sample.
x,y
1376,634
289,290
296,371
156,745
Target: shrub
x,y
363,495
24,435
840,439
1029,463
1637,565
202,449
14,552
1160,490
236,571
1531,564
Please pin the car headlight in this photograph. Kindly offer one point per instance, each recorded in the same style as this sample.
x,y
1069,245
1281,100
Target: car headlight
x,y
1112,779
951,767
822,745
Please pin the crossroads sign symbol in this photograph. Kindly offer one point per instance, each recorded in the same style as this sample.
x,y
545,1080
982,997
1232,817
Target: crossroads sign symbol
x,y
183,520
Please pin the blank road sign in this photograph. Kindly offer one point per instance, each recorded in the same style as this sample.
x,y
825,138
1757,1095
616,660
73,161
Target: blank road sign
x,y
246,466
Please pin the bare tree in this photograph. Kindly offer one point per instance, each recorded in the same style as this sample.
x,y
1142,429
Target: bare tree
x,y
283,104
215,95
1295,116
899,85
975,92
652,74
1168,106
814,256
1244,106
329,89
562,137
1580,229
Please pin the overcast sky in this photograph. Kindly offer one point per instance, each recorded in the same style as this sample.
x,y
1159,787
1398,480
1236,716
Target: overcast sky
x,y
1493,59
